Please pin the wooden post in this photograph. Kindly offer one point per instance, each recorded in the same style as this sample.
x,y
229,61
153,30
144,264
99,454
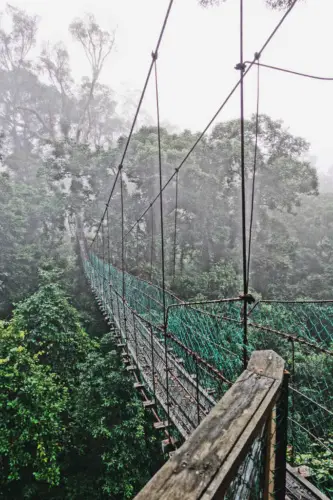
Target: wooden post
x,y
206,464
270,456
281,441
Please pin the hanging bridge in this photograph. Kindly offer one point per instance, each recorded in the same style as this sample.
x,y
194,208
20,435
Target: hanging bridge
x,y
183,368
186,356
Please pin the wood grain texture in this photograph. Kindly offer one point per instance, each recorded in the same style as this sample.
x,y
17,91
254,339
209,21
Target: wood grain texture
x,y
267,363
301,488
229,468
205,461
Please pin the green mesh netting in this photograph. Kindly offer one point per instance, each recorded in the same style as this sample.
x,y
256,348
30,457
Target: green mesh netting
x,y
248,481
214,331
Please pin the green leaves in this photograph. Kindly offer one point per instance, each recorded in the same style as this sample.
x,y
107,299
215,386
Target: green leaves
x,y
31,405
54,328
70,424
320,463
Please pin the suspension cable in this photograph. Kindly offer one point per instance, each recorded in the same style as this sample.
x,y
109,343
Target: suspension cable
x,y
109,256
241,67
122,234
297,73
175,230
137,246
123,257
254,175
103,259
203,133
160,182
152,244
162,236
120,166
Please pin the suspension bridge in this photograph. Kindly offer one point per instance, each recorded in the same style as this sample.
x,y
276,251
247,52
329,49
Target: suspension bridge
x,y
182,369
186,356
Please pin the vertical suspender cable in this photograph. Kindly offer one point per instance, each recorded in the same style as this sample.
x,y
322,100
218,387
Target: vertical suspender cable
x,y
152,244
254,174
162,234
137,246
175,230
103,259
109,263
123,251
160,181
242,133
97,264
122,234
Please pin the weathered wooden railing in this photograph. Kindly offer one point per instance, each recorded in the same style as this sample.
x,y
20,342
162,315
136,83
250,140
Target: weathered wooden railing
x,y
239,449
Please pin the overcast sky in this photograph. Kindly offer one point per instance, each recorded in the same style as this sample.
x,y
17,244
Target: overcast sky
x,y
198,55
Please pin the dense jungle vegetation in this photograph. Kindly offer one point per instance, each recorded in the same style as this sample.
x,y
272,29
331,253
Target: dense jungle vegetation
x,y
70,424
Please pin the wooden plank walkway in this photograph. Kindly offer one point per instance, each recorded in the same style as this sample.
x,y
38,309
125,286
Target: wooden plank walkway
x,y
182,406
175,389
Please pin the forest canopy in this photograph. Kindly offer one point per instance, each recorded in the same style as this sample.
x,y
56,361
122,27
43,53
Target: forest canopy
x,y
274,4
70,423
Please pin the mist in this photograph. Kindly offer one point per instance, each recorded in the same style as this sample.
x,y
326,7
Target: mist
x,y
71,166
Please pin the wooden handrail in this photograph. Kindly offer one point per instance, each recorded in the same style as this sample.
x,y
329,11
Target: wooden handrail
x,y
207,462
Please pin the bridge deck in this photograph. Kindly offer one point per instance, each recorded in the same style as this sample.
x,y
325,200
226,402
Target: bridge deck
x,y
183,399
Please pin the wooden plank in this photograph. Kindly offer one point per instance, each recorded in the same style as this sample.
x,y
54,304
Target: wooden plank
x,y
266,363
197,465
270,458
194,465
168,445
306,490
271,368
131,368
229,468
161,426
149,404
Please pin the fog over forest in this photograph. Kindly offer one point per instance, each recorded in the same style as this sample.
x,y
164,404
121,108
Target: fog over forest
x,y
68,412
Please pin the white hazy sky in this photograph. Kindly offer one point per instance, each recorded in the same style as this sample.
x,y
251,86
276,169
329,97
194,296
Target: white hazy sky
x,y
198,55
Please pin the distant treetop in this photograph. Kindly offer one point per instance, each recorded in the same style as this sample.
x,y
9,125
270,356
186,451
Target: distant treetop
x,y
273,4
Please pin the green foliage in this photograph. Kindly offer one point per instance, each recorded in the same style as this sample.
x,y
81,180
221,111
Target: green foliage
x,y
208,218
32,225
32,402
219,282
110,428
71,426
320,463
53,327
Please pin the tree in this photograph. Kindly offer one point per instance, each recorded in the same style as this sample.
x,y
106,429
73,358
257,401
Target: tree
x,y
114,452
32,402
53,327
48,166
311,228
209,206
32,225
97,45
16,45
74,404
274,4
